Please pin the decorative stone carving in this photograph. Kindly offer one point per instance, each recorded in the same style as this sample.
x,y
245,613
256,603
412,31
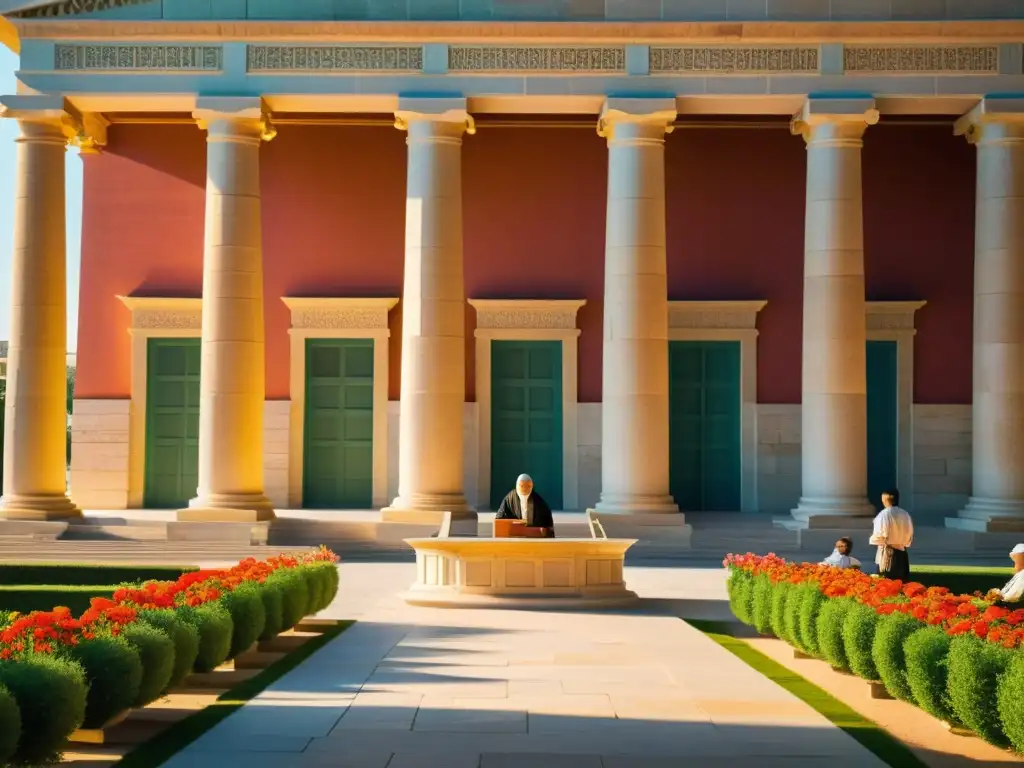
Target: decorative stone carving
x,y
740,315
533,314
733,60
484,58
159,312
73,8
339,314
124,57
333,58
921,59
892,315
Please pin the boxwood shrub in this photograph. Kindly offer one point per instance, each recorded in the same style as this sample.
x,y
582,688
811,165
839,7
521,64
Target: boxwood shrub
x,y
185,638
50,692
10,725
858,637
778,619
326,576
762,604
891,633
1010,700
295,605
974,669
831,618
791,614
156,650
926,653
741,595
810,605
213,622
113,670
248,616
272,595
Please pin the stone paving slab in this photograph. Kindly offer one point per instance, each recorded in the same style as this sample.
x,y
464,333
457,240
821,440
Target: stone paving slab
x,y
408,687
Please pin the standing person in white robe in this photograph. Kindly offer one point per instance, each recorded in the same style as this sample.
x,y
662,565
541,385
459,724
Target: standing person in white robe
x,y
893,533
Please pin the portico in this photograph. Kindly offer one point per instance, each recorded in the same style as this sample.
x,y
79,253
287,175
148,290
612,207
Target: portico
x,y
615,436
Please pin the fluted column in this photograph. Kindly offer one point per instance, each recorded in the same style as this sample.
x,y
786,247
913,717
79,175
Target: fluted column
x,y
35,426
834,410
231,388
431,472
996,128
634,401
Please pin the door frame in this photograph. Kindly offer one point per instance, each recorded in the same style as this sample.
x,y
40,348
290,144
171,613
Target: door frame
x,y
528,320
338,318
729,321
152,317
894,321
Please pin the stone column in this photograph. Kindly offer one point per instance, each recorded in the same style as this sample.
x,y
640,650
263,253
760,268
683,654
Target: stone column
x,y
233,363
431,473
634,401
996,128
35,426
834,410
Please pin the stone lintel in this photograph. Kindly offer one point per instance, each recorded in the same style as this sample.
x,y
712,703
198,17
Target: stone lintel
x,y
448,109
855,112
986,112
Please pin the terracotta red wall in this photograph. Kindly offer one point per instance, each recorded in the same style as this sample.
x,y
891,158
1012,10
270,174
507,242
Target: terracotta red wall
x,y
534,198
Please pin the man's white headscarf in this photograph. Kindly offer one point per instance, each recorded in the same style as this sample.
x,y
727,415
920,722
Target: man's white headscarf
x,y
524,500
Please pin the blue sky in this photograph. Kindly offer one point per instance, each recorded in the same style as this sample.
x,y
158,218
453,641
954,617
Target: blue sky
x,y
8,131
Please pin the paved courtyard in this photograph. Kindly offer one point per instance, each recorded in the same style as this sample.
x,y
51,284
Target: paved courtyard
x,y
411,687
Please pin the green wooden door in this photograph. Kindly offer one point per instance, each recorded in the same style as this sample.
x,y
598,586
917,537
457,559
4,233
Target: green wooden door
x,y
337,464
883,421
172,422
526,417
704,424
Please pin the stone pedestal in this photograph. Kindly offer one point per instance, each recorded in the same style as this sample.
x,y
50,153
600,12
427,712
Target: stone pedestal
x,y
834,410
996,128
232,384
431,443
634,403
35,426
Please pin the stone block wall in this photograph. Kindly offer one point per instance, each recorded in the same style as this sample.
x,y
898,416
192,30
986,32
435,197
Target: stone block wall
x,y
276,434
99,453
778,457
942,460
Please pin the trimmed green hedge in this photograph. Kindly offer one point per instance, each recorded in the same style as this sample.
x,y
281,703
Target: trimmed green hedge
x,y
81,574
830,632
213,622
113,670
248,617
926,652
27,598
185,638
858,639
10,725
1010,700
156,651
891,633
974,669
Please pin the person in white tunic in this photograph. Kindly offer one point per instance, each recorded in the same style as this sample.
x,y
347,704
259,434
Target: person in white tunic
x,y
893,533
1014,589
841,557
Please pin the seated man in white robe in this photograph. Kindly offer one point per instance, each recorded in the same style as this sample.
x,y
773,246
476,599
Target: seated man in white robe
x,y
1014,589
841,557
523,503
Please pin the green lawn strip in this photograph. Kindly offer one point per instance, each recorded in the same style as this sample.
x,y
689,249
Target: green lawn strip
x,y
97,574
168,743
869,734
25,598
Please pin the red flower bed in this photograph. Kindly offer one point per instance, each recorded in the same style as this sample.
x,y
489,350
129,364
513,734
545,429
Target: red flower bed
x,y
46,631
936,606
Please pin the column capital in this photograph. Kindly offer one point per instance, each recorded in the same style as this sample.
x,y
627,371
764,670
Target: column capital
x,y
53,118
234,117
655,114
992,120
834,121
452,112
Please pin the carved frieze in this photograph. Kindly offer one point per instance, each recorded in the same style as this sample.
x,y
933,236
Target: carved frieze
x,y
167,319
334,58
127,57
921,59
892,315
733,60
73,8
485,58
340,319
526,314
718,315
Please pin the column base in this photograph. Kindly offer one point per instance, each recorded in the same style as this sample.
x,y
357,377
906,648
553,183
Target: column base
x,y
38,507
830,513
637,505
427,509
985,515
228,508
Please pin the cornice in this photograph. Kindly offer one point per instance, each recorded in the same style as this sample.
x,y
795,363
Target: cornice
x,y
532,314
163,312
741,315
334,313
551,33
